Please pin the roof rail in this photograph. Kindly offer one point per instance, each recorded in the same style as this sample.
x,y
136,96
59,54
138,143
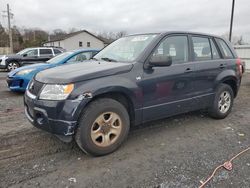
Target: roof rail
x,y
52,47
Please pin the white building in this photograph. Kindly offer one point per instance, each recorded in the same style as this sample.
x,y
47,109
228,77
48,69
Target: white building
x,y
76,40
243,52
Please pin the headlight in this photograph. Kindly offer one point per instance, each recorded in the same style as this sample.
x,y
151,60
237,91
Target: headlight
x,y
23,72
56,92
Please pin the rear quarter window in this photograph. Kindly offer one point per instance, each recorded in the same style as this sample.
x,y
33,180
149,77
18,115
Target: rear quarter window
x,y
215,52
45,52
225,49
56,51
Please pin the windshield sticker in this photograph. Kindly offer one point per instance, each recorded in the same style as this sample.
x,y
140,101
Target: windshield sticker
x,y
139,38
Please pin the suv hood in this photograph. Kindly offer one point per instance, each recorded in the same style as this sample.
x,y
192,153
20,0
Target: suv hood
x,y
14,56
81,71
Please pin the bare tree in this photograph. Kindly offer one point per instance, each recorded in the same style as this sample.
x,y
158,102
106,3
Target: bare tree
x,y
111,36
4,39
236,40
57,34
240,41
72,30
120,34
30,37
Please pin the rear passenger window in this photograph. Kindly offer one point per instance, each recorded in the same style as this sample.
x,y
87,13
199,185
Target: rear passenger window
x,y
225,49
176,47
215,52
202,50
45,52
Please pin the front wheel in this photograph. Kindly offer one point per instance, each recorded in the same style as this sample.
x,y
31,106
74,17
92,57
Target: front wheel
x,y
12,66
223,102
103,127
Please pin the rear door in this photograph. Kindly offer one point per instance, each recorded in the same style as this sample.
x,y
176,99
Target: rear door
x,y
169,90
209,64
45,54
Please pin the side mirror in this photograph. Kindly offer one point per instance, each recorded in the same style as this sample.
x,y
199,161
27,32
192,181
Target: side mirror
x,y
24,55
160,61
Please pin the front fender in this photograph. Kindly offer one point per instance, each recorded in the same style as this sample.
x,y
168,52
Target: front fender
x,y
114,84
12,59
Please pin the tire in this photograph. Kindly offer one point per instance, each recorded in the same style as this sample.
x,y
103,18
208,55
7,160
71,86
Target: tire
x,y
12,66
98,122
223,102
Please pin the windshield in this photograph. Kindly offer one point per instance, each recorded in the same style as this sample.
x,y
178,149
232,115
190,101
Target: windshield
x,y
23,51
59,57
125,49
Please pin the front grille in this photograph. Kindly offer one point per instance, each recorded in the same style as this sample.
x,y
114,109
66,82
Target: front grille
x,y
35,87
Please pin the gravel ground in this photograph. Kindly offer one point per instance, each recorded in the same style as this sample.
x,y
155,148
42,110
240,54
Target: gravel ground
x,y
174,152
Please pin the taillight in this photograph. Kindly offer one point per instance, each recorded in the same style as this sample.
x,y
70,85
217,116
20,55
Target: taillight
x,y
239,66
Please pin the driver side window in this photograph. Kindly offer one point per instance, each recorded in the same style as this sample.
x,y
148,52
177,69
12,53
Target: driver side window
x,y
175,47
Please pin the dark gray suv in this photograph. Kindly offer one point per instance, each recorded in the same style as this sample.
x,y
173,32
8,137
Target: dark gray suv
x,y
28,56
136,79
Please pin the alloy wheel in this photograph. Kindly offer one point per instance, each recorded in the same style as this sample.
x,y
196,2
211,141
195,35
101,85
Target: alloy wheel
x,y
12,66
106,129
224,102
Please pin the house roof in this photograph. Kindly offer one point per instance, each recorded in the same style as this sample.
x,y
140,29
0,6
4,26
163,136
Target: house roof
x,y
76,33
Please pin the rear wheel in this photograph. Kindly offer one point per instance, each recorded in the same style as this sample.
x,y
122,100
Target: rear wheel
x,y
12,66
103,127
223,102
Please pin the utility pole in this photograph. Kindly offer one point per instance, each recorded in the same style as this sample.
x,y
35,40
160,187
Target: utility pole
x,y
231,23
9,14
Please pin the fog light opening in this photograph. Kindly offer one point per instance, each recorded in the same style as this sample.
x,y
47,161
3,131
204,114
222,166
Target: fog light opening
x,y
39,119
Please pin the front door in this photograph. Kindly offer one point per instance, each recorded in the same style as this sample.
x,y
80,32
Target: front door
x,y
169,90
30,57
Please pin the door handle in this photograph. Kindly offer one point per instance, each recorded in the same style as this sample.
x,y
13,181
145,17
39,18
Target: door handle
x,y
188,70
222,66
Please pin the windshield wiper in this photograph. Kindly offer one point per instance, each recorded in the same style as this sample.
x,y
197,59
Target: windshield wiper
x,y
108,59
94,59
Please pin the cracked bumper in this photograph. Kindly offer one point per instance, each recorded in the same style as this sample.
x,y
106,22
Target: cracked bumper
x,y
47,115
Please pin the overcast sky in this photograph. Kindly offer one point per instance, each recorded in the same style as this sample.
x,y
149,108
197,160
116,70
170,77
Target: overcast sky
x,y
133,16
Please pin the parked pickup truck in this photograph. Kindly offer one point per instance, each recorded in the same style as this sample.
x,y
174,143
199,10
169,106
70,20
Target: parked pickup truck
x,y
136,79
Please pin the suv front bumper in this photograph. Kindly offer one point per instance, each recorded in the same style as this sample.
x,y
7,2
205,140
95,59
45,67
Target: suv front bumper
x,y
56,117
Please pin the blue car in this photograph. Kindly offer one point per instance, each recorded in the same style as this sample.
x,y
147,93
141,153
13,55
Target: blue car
x,y
19,78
